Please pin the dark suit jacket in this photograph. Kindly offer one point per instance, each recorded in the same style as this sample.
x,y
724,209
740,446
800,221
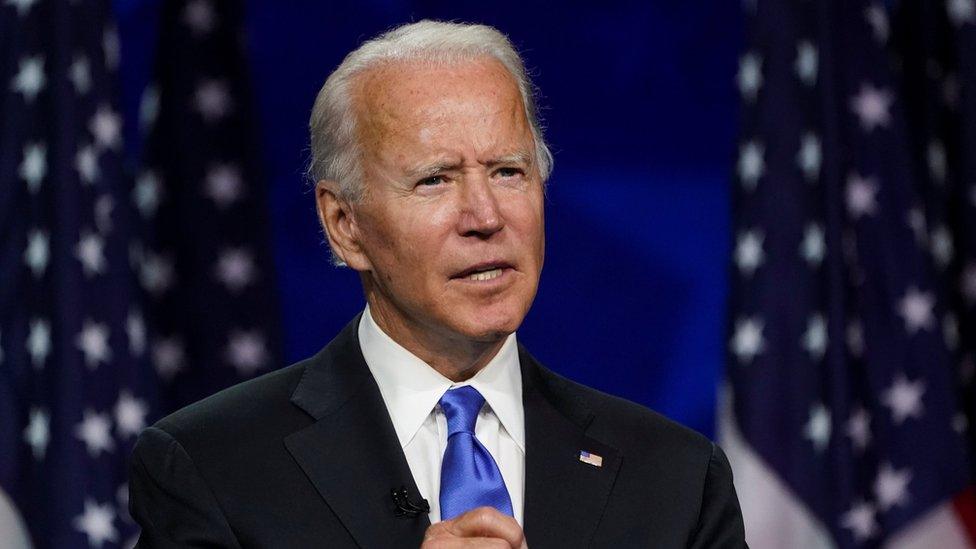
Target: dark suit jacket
x,y
306,457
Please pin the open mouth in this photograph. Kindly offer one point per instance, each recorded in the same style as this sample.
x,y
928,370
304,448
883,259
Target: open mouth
x,y
485,275
483,272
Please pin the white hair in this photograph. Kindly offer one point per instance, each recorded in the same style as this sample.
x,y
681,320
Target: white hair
x,y
336,152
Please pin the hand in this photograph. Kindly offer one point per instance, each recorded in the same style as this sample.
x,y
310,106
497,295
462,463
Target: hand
x,y
481,527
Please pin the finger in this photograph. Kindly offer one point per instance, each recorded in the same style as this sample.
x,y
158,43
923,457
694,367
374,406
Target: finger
x,y
487,522
465,543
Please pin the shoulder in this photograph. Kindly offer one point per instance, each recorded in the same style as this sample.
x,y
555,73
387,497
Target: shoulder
x,y
244,412
621,423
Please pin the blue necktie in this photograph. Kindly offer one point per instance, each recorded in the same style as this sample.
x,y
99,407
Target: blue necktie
x,y
469,475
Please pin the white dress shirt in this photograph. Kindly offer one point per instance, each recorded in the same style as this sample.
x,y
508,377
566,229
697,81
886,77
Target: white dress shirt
x,y
411,390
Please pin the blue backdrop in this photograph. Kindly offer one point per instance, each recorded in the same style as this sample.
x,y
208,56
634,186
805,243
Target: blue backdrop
x,y
640,106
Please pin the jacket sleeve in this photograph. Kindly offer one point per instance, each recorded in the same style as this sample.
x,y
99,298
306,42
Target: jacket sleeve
x,y
720,520
170,500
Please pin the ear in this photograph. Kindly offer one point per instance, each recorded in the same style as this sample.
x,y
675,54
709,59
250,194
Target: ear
x,y
341,228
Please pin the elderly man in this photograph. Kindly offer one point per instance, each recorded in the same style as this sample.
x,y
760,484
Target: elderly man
x,y
424,422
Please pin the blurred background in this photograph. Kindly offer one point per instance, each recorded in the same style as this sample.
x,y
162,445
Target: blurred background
x,y
760,224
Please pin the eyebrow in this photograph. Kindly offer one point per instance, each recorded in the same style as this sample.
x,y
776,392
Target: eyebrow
x,y
520,157
430,170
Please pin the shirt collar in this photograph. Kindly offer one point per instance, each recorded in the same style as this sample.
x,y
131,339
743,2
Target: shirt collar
x,y
411,388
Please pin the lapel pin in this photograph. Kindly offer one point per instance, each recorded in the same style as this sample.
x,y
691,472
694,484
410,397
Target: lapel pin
x,y
591,459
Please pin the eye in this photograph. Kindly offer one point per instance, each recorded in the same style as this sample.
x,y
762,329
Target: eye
x,y
431,181
508,172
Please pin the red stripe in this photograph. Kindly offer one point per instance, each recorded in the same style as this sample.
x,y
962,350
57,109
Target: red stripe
x,y
965,506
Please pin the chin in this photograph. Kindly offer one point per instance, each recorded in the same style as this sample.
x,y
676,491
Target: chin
x,y
486,326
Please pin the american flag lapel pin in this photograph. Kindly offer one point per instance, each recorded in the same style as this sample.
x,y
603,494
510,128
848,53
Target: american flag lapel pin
x,y
591,459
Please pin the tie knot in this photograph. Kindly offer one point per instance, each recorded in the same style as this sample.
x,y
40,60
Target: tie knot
x,y
461,407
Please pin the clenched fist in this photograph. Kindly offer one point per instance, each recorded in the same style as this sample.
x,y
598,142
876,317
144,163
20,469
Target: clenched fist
x,y
481,527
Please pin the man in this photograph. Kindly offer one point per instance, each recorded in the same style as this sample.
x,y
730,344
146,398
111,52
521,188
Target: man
x,y
423,422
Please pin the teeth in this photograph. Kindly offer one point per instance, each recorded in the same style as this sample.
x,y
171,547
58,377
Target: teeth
x,y
487,275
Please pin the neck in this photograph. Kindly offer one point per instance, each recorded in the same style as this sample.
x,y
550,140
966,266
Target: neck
x,y
454,357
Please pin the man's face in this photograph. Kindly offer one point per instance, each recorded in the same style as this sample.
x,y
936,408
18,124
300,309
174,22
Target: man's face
x,y
451,225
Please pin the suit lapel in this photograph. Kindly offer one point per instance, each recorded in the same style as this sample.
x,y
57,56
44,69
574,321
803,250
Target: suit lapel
x,y
564,497
351,453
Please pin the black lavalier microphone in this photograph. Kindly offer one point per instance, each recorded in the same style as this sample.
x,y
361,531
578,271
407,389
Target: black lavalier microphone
x,y
405,507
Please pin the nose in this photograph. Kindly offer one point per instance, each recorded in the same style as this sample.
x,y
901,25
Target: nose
x,y
480,212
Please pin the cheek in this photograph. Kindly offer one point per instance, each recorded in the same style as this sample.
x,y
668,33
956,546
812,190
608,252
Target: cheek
x,y
409,239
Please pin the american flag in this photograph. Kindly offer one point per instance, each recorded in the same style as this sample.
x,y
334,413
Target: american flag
x,y
205,263
73,390
120,298
852,327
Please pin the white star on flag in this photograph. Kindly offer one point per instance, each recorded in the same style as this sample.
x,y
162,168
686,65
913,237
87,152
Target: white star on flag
x,y
199,16
39,342
224,184
891,486
97,523
872,106
813,248
749,77
130,414
156,273
90,251
80,74
167,357
817,429
33,167
916,220
815,337
749,253
148,107
858,428
941,246
106,126
86,162
916,308
807,62
751,165
904,398
37,435
810,156
747,342
213,100
110,45
38,251
960,423
859,519
146,193
877,18
30,79
235,269
861,195
22,6
104,205
967,284
95,431
961,11
246,351
135,330
855,338
92,341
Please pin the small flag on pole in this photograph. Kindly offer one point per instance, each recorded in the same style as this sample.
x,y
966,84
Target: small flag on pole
x,y
592,459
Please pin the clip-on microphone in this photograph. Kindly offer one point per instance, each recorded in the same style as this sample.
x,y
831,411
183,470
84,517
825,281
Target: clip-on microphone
x,y
405,507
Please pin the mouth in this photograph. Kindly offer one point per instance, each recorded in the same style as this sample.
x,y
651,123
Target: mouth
x,y
483,272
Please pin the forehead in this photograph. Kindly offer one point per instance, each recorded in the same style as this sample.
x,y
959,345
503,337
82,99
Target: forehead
x,y
413,98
